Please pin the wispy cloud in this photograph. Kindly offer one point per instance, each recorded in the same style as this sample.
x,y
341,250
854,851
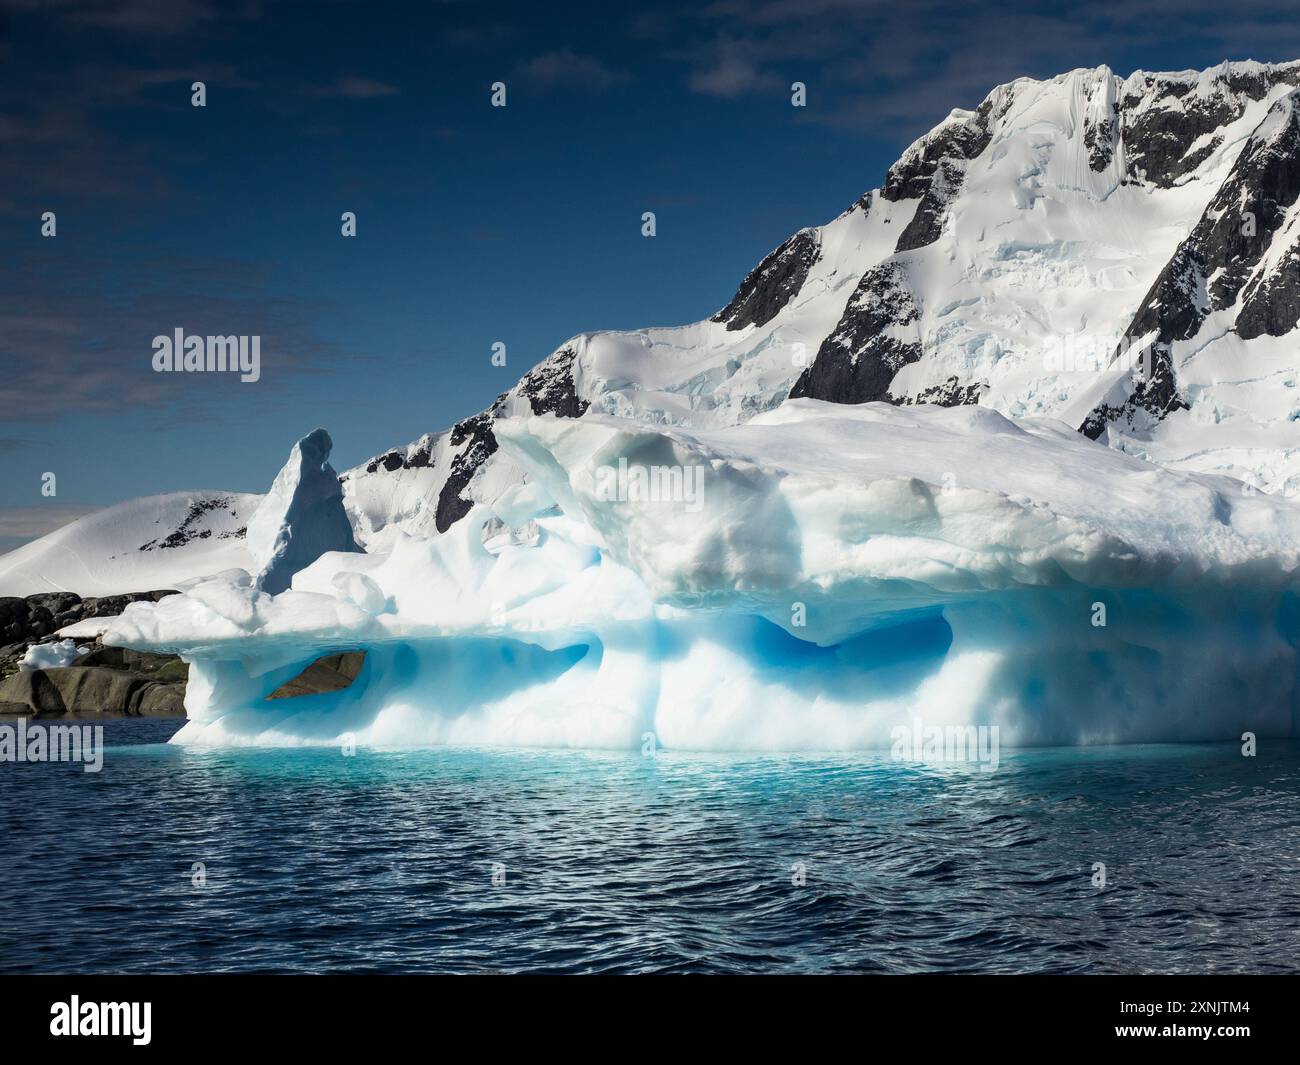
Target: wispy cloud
x,y
351,87
76,338
54,142
567,69
29,522
147,17
732,67
884,67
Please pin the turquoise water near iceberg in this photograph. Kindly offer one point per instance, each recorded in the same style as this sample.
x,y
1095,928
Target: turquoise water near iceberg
x,y
385,861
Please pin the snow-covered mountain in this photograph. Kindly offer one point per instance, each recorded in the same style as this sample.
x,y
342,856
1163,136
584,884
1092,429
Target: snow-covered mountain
x,y
1117,253
144,544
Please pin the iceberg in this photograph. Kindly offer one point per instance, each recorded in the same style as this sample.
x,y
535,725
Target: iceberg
x,y
51,655
301,517
809,580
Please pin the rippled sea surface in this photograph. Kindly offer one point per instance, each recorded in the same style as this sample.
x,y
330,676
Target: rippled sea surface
x,y
385,861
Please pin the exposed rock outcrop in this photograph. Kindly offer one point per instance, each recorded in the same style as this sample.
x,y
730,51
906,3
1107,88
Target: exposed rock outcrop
x,y
120,682
875,339
327,674
91,690
103,681
772,283
35,618
475,441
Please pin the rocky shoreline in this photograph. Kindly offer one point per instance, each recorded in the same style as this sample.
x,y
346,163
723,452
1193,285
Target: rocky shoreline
x,y
35,618
101,681
104,681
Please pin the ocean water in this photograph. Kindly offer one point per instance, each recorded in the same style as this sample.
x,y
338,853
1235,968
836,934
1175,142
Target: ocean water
x,y
385,861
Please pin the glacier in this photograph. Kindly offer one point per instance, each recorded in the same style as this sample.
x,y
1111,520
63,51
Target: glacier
x,y
839,571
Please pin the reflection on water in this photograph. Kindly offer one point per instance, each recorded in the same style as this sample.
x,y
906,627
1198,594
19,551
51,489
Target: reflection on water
x,y
612,862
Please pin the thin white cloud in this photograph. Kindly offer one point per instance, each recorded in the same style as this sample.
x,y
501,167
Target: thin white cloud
x,y
352,87
30,522
566,68
889,68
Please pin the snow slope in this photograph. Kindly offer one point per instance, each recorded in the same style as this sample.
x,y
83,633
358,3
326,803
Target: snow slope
x,y
809,580
145,544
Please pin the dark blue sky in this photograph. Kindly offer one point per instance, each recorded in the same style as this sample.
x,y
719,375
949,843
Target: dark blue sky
x,y
475,224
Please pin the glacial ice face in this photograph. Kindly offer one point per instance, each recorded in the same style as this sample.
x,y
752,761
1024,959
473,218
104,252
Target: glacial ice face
x,y
809,580
302,516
